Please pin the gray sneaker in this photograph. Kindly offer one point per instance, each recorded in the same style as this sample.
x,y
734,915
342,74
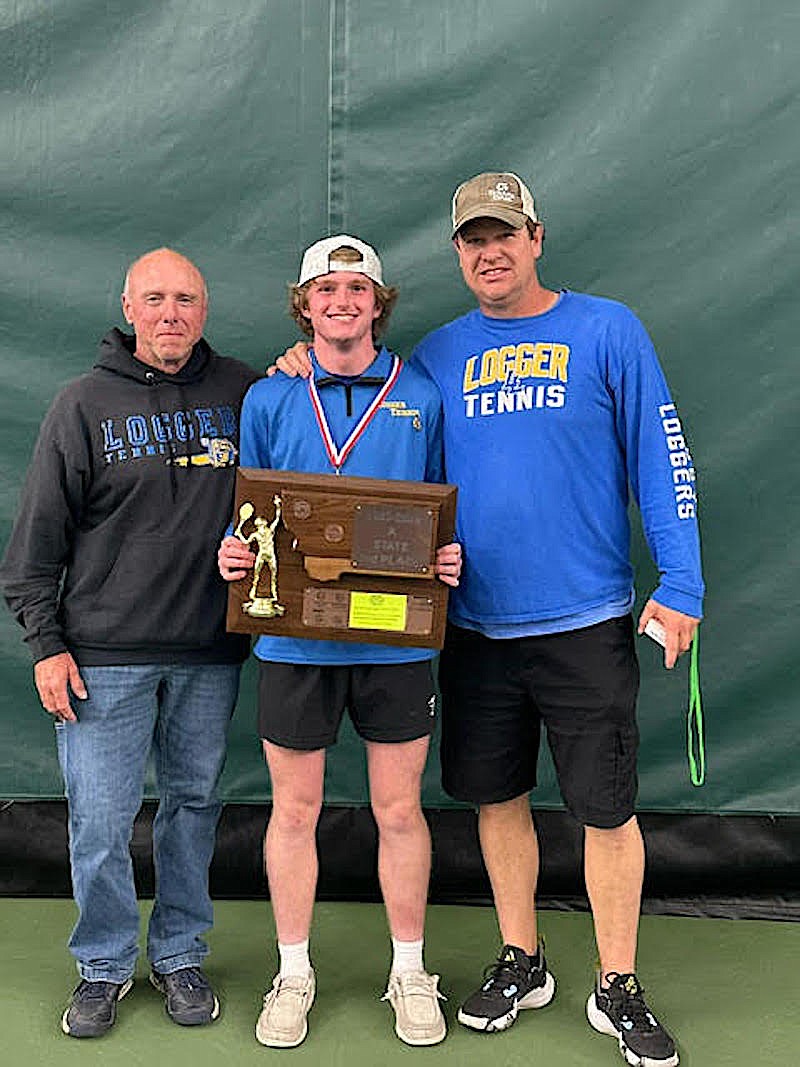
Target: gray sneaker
x,y
93,1008
415,998
282,1022
188,997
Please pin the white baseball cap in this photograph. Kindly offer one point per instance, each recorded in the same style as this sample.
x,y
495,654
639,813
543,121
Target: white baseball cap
x,y
321,259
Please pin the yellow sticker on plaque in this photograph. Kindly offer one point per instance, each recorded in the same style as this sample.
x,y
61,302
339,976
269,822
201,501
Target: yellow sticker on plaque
x,y
378,611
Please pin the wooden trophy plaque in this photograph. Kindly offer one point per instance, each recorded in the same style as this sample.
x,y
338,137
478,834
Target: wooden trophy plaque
x,y
340,558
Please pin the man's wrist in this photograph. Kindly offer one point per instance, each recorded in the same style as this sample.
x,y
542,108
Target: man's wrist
x,y
46,649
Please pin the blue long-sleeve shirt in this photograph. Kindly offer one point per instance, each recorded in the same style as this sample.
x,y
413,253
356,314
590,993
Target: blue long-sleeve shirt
x,y
547,422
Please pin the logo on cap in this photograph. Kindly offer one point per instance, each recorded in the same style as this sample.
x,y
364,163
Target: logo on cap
x,y
502,196
502,191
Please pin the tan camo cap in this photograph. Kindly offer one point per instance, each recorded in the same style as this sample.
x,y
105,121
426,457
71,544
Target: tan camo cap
x,y
494,195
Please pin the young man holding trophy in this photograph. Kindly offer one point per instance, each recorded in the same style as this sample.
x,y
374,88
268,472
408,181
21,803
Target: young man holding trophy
x,y
344,419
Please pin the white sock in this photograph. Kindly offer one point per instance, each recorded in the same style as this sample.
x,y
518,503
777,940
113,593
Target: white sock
x,y
294,959
407,956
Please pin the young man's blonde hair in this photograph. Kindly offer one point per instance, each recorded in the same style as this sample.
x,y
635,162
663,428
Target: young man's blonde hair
x,y
385,297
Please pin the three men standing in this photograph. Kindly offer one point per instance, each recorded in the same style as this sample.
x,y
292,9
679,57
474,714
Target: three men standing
x,y
554,407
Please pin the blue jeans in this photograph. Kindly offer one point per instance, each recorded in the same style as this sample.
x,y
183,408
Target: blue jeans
x,y
181,713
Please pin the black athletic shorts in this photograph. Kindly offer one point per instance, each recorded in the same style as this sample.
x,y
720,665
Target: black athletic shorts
x,y
300,706
581,684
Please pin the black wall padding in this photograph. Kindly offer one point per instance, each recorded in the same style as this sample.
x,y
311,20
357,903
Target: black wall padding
x,y
711,865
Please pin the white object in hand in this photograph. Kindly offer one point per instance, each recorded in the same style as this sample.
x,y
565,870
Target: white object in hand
x,y
656,631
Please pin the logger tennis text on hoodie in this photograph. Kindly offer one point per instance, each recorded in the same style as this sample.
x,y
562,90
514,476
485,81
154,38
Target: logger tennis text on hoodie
x,y
547,420
127,497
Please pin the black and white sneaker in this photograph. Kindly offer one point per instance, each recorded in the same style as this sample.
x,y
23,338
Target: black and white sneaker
x,y
621,1012
515,981
188,997
93,1008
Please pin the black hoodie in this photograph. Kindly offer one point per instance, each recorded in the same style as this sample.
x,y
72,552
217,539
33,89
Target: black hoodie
x,y
113,553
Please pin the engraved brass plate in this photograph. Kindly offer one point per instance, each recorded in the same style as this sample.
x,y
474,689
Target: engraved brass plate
x,y
332,607
387,537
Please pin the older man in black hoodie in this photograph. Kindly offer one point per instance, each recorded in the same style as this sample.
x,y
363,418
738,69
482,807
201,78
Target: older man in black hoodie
x,y
111,571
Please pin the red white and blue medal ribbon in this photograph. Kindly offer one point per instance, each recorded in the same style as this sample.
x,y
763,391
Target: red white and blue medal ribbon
x,y
337,456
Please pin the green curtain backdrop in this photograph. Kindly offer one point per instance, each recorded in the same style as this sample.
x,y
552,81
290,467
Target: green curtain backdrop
x,y
660,141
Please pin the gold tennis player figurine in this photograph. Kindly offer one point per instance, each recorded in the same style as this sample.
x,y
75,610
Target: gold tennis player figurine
x,y
262,607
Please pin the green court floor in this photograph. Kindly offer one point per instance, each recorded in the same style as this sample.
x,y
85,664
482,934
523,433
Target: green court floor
x,y
728,990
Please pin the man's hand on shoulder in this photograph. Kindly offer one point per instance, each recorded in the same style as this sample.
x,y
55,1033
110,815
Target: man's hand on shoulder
x,y
294,362
679,629
55,677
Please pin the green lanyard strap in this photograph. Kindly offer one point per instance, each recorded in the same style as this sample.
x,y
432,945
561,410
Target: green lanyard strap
x,y
695,730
